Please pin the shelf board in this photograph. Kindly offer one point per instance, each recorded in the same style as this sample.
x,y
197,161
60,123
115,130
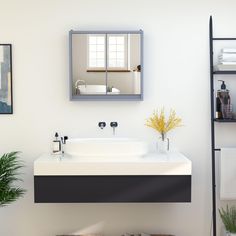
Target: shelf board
x,y
223,38
225,72
225,120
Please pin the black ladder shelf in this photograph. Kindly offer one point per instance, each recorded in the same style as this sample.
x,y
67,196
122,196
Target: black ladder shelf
x,y
214,120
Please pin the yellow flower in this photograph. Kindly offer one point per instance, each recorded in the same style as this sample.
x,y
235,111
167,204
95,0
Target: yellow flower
x,y
158,121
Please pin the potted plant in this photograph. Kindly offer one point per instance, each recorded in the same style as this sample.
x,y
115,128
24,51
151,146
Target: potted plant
x,y
163,125
228,217
9,174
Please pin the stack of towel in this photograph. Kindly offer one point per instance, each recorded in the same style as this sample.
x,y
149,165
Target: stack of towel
x,y
227,59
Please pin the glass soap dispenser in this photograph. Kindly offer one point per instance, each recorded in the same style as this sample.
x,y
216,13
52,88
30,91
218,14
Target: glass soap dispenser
x,y
223,103
56,145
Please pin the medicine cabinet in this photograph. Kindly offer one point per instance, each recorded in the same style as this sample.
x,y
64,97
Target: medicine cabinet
x,y
106,65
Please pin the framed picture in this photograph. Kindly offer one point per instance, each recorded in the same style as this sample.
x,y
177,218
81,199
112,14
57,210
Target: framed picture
x,y
6,101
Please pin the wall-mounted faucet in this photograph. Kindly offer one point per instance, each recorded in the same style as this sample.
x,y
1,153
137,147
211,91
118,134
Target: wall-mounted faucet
x,y
114,125
101,124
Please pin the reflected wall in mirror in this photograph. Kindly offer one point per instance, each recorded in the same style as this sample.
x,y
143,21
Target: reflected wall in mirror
x,y
106,65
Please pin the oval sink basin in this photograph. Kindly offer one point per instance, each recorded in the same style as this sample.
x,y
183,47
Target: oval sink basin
x,y
101,147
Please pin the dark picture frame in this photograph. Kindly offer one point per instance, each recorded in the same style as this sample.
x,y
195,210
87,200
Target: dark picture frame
x,y
6,94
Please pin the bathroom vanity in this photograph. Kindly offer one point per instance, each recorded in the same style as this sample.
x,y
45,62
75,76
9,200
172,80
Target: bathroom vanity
x,y
154,177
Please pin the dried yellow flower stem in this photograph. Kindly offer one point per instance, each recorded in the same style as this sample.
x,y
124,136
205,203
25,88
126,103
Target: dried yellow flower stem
x,y
158,121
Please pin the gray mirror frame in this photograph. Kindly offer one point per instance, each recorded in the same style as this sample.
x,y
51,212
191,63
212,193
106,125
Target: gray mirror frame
x,y
131,97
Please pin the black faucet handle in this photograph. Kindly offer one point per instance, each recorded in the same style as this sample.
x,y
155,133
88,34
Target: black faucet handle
x,y
102,124
114,124
65,138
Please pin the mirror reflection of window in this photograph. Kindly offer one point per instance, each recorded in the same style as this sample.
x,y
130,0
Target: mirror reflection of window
x,y
96,47
117,52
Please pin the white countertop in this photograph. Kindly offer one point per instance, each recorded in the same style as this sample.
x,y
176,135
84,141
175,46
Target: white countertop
x,y
173,163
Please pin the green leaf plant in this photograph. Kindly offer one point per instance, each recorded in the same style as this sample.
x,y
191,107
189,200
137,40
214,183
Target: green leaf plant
x,y
9,175
228,217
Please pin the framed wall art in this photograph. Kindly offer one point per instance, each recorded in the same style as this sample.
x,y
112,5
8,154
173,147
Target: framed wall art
x,y
6,101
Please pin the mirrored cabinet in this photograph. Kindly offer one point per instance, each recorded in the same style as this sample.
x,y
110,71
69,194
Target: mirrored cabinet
x,y
106,65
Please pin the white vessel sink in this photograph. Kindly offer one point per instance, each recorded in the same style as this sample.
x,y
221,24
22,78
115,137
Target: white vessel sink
x,y
105,147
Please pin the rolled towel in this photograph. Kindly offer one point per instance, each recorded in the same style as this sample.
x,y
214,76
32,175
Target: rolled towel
x,y
228,50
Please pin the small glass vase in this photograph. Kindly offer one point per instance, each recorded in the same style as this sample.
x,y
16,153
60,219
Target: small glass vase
x,y
163,144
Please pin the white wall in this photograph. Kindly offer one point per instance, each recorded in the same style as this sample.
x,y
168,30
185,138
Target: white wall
x,y
176,75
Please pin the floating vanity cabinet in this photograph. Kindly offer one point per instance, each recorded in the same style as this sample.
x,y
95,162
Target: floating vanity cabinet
x,y
154,178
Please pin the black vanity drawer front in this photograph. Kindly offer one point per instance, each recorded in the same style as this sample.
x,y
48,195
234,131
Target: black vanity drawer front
x,y
69,189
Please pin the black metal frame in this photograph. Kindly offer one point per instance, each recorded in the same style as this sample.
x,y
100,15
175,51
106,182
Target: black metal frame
x,y
213,119
10,46
212,127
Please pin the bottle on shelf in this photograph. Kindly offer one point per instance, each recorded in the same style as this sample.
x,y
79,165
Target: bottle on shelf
x,y
223,103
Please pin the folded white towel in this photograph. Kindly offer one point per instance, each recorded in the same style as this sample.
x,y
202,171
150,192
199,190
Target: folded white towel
x,y
229,50
221,67
227,57
228,62
228,174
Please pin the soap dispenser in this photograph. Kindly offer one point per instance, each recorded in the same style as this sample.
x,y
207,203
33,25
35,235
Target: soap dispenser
x,y
56,145
223,102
